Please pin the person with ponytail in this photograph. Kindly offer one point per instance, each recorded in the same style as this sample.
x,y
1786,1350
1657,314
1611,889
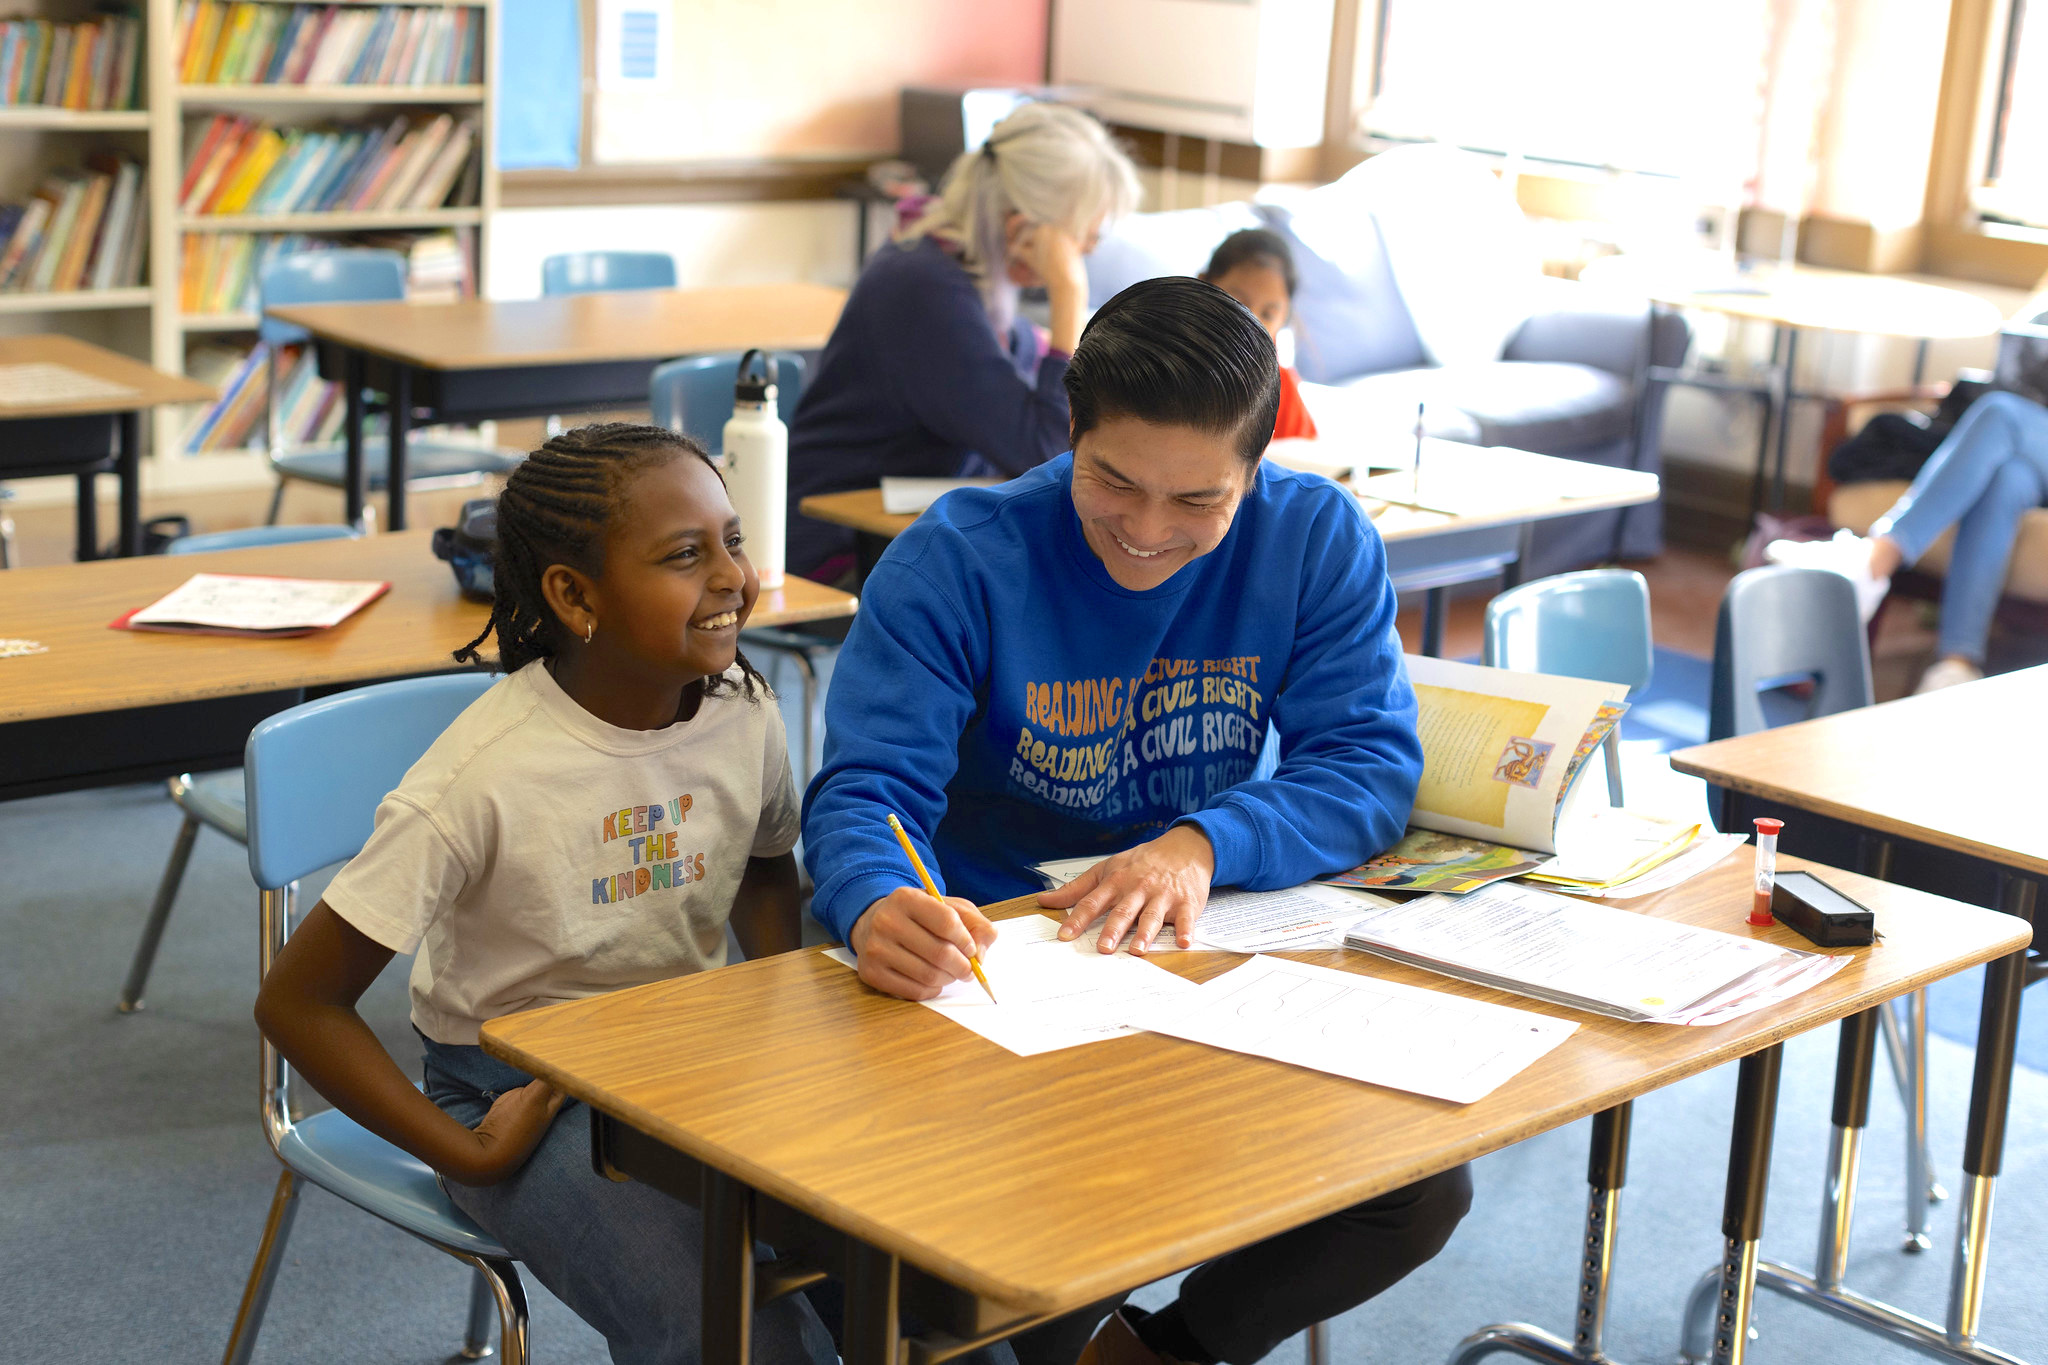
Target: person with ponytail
x,y
1085,662
593,821
930,372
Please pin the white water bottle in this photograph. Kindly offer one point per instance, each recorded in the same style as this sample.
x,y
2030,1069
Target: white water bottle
x,y
757,467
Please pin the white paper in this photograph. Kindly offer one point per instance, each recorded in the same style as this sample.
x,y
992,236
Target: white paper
x,y
1702,854
905,497
1301,917
1522,939
231,602
1606,842
1051,994
1380,1032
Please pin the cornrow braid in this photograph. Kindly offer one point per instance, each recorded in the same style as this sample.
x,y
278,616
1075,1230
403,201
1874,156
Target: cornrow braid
x,y
553,511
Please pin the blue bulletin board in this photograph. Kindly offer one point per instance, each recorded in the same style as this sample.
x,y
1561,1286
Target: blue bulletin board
x,y
540,84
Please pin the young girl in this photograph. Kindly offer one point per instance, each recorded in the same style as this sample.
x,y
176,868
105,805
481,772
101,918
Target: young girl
x,y
593,821
1256,268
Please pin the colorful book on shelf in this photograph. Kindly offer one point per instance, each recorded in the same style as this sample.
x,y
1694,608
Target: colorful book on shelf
x,y
250,42
82,66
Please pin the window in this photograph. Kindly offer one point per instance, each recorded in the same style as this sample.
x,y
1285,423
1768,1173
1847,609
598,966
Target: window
x,y
2014,188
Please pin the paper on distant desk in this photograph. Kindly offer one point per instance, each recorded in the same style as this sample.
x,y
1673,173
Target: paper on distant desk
x,y
1589,956
1051,994
252,603
1348,1024
38,384
903,497
1236,921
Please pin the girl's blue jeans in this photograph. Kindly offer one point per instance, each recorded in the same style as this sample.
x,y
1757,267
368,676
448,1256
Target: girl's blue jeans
x,y
1990,472
625,1257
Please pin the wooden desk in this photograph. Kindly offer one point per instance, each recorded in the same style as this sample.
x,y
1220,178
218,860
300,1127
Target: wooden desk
x,y
1427,551
105,706
478,359
1952,769
88,436
985,1191
1793,299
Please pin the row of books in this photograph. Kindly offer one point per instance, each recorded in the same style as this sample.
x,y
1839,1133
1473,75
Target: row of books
x,y
220,271
309,408
92,65
252,43
243,165
83,229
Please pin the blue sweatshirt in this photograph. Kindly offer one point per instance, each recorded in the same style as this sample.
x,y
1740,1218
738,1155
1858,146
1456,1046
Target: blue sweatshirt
x,y
1011,703
915,381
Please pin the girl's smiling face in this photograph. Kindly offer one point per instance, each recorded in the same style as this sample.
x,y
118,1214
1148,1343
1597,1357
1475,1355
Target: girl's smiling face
x,y
676,584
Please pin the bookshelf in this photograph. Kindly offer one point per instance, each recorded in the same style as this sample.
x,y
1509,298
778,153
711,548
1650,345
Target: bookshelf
x,y
146,319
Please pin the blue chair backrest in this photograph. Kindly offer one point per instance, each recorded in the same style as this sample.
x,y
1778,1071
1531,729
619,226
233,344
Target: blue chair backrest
x,y
253,537
694,395
316,773
588,272
348,275
1779,627
1594,624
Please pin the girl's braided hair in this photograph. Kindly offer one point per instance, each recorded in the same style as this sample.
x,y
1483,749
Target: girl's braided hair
x,y
554,511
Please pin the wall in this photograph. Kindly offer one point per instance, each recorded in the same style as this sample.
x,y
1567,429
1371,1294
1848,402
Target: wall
x,y
711,243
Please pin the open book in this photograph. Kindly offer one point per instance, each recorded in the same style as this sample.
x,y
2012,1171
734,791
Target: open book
x,y
1501,757
250,604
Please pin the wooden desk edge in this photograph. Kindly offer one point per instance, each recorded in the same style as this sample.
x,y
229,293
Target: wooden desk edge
x,y
1274,1218
1861,816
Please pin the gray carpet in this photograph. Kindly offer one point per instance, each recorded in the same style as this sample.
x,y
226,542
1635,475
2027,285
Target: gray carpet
x,y
134,1181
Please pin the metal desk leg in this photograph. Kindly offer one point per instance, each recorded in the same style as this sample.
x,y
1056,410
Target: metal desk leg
x,y
401,423
1990,1094
1845,1147
871,1335
1763,440
1606,1170
1785,393
128,465
352,432
88,518
728,1269
1435,605
1742,1212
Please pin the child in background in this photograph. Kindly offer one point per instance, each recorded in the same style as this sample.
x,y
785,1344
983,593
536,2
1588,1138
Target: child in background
x,y
1256,268
594,821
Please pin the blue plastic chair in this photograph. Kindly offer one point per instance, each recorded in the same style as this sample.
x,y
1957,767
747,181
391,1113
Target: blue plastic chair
x,y
592,272
1593,624
693,396
211,799
316,774
352,275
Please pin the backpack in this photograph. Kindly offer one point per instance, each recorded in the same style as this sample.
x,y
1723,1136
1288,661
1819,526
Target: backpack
x,y
470,546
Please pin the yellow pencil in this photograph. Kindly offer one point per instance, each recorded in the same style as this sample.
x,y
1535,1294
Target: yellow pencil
x,y
933,891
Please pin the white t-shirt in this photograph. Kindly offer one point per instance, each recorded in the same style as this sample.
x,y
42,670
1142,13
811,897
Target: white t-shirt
x,y
537,854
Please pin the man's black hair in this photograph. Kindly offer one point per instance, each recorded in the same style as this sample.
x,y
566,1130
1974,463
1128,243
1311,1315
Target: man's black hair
x,y
1253,246
1177,352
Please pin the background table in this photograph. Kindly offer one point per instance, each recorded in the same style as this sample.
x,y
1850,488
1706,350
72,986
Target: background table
x,y
983,1190
1953,771
105,706
1427,551
479,359
88,437
1791,299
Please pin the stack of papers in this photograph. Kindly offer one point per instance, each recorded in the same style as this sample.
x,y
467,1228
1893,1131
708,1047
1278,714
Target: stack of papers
x,y
1590,957
1610,846
904,497
247,604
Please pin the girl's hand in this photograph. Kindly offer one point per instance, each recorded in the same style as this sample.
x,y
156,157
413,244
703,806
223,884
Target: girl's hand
x,y
1052,254
506,1137
1155,885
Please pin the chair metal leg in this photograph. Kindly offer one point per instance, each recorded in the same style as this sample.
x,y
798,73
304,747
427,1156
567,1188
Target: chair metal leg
x,y
276,504
1613,746
1316,1343
1906,1047
159,915
497,1290
284,1206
